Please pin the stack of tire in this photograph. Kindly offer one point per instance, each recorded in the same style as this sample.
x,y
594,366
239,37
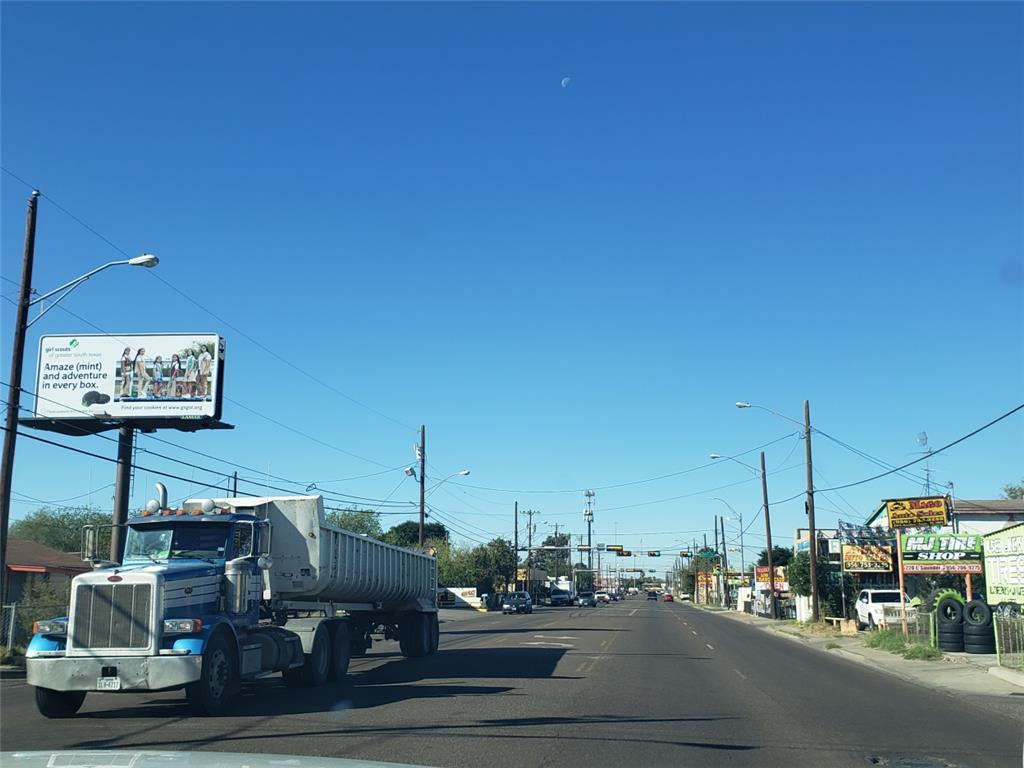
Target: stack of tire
x,y
964,626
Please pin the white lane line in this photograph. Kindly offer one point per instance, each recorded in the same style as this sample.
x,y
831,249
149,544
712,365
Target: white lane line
x,y
710,646
554,645
633,611
740,674
693,631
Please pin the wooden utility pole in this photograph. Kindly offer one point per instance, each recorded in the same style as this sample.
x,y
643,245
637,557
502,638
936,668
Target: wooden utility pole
x,y
810,514
423,480
516,545
768,536
725,565
14,382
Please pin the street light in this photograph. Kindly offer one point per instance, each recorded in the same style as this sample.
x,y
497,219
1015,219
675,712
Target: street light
x,y
21,325
752,468
811,532
460,473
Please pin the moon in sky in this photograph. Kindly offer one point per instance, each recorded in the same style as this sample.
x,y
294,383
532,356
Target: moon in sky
x,y
565,81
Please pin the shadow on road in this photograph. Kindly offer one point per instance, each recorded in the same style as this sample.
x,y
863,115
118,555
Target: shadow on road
x,y
537,630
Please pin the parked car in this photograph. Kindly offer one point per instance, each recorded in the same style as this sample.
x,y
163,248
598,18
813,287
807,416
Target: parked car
x,y
517,602
602,597
652,595
871,604
586,600
559,597
667,598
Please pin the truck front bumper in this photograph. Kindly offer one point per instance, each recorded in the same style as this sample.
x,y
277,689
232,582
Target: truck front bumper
x,y
136,673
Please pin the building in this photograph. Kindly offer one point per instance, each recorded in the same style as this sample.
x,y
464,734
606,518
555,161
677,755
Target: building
x,y
29,563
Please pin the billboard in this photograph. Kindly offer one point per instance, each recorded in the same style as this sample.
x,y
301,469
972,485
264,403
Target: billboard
x,y
918,512
130,376
762,575
941,552
1004,565
867,558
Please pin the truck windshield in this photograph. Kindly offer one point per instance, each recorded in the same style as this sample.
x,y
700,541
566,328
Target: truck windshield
x,y
176,541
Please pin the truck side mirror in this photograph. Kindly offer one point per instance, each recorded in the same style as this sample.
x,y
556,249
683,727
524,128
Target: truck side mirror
x,y
265,531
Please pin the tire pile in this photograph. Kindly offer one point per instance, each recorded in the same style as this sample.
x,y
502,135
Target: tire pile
x,y
964,627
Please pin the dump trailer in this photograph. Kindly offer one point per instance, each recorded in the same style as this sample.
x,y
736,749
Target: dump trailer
x,y
224,591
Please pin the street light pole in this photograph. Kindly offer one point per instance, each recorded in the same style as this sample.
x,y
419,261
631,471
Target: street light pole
x,y
14,383
423,480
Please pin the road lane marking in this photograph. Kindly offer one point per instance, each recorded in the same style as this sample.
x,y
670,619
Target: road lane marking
x,y
556,637
553,645
710,646
633,611
694,631
740,674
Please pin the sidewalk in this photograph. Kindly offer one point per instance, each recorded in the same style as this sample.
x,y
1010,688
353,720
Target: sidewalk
x,y
967,673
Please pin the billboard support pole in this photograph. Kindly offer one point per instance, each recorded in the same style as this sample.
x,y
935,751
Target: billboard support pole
x,y
14,384
122,489
903,595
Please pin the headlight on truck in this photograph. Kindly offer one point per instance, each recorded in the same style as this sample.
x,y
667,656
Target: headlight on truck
x,y
52,627
182,626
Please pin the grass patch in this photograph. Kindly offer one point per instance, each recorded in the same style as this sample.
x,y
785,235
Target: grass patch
x,y
922,652
830,645
886,640
816,627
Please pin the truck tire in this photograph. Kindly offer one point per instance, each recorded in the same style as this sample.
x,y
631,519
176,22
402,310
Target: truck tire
x,y
317,666
58,704
975,632
977,613
980,647
341,650
435,633
949,611
413,635
218,682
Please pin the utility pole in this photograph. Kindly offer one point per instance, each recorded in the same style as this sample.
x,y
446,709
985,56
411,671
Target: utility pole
x,y
725,565
810,514
14,382
768,536
529,548
122,490
589,515
423,480
516,545
234,486
719,579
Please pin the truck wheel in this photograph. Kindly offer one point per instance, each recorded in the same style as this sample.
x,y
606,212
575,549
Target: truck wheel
x,y
218,681
871,623
58,704
341,649
318,661
413,638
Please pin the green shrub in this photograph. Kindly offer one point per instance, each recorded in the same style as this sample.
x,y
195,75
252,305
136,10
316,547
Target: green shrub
x,y
920,651
886,640
830,645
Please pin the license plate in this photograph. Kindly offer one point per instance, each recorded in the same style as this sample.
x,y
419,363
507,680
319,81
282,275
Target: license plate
x,y
108,684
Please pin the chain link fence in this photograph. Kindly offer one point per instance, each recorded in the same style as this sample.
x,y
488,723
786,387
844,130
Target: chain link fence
x,y
17,620
919,622
1010,641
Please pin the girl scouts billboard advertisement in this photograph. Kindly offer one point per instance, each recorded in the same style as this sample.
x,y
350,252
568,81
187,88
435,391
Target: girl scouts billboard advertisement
x,y
130,376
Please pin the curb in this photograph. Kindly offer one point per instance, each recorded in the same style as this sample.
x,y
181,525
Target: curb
x,y
1009,675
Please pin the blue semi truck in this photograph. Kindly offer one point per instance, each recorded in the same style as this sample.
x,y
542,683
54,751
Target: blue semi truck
x,y
224,591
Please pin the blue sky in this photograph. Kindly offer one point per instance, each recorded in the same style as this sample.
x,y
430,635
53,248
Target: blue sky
x,y
570,286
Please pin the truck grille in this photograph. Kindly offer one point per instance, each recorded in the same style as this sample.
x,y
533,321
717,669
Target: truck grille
x,y
111,616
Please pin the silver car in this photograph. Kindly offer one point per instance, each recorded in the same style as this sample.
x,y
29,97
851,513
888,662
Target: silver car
x,y
586,600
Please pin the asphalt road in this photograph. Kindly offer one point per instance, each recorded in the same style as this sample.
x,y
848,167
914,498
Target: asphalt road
x,y
636,683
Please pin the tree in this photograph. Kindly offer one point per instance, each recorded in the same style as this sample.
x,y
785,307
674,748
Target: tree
x,y
554,561
831,584
407,534
584,581
58,527
364,521
1014,491
780,556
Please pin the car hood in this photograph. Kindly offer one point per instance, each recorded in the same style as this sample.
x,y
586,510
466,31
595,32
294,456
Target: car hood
x,y
160,759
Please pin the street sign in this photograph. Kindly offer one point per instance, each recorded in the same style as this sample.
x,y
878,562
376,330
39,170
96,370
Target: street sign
x,y
706,552
599,547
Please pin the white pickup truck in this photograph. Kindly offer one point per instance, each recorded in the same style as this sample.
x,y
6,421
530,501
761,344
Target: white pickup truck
x,y
871,604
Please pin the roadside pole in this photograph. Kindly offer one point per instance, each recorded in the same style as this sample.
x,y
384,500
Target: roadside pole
x,y
725,566
903,597
768,536
516,513
810,514
423,480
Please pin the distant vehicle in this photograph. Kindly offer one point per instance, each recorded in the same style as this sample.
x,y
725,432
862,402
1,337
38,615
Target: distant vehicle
x,y
667,598
652,595
618,596
559,597
632,591
602,597
586,600
871,604
517,602
686,596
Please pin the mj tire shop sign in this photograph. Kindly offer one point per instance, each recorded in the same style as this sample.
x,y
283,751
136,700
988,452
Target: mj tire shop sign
x,y
941,553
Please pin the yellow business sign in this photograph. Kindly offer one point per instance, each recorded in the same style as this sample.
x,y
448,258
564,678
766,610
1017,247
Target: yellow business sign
x,y
867,558
918,512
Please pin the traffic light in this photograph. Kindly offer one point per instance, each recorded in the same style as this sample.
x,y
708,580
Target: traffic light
x,y
653,553
624,553
614,547
686,554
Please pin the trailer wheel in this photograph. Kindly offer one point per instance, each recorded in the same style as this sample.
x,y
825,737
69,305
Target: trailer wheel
x,y
413,636
341,649
318,661
218,681
58,704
